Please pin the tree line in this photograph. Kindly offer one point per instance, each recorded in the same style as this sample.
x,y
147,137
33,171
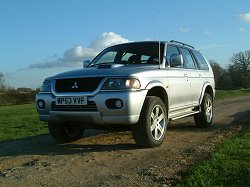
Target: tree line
x,y
236,75
10,95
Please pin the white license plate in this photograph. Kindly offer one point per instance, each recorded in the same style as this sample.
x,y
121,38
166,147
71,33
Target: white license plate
x,y
71,100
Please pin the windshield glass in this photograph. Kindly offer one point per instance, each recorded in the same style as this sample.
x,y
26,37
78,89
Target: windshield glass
x,y
132,53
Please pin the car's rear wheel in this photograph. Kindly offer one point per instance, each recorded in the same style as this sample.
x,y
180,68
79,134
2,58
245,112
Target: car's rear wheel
x,y
64,133
205,117
150,131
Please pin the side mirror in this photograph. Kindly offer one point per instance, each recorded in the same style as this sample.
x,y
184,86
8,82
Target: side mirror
x,y
176,60
86,63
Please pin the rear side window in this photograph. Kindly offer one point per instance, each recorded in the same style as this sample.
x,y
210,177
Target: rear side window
x,y
201,61
188,60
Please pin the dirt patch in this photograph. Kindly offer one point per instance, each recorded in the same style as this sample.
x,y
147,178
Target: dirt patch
x,y
113,159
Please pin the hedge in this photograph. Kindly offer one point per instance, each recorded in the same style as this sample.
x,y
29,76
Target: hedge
x,y
15,97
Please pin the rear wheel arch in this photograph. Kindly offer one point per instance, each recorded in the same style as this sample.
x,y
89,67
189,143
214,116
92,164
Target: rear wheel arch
x,y
207,89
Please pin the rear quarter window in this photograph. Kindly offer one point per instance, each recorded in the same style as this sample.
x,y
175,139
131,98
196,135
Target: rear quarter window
x,y
200,60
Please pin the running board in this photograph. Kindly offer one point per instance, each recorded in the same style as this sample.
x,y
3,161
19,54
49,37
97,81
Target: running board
x,y
182,113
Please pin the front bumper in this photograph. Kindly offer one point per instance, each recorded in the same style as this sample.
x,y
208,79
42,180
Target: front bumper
x,y
128,114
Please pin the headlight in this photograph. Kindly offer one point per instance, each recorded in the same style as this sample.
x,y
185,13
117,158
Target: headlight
x,y
46,86
121,84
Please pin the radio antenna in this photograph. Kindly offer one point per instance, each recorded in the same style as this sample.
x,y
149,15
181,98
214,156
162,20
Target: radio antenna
x,y
159,39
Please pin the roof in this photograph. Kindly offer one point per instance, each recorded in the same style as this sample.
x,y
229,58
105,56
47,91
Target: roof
x,y
157,42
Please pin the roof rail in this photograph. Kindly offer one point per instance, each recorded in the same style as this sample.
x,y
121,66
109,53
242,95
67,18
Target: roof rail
x,y
174,41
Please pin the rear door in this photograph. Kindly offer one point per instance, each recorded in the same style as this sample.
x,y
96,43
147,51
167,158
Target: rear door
x,y
194,75
204,72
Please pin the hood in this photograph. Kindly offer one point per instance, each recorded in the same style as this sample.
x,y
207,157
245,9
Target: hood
x,y
119,70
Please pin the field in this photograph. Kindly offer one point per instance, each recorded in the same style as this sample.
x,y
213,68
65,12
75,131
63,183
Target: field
x,y
20,121
222,94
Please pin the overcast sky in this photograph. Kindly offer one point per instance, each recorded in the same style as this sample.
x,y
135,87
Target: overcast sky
x,y
40,38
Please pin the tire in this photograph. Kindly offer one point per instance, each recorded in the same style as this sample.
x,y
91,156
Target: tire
x,y
64,133
205,117
150,131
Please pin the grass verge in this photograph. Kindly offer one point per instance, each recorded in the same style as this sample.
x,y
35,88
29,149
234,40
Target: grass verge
x,y
229,165
223,94
20,121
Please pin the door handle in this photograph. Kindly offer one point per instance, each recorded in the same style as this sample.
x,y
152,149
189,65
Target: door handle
x,y
185,75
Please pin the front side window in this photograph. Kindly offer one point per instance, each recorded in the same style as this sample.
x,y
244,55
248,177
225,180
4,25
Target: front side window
x,y
107,58
188,60
172,50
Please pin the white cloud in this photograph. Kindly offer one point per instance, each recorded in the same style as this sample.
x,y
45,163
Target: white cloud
x,y
241,30
107,39
73,57
245,17
185,29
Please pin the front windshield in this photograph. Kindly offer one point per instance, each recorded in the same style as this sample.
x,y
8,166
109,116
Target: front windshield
x,y
132,53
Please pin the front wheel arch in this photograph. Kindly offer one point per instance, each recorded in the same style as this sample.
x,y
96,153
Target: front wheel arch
x,y
159,91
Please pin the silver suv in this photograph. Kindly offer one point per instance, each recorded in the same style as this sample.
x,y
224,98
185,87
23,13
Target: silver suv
x,y
141,85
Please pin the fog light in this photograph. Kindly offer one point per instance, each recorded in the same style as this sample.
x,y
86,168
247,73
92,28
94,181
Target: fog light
x,y
118,104
41,104
114,104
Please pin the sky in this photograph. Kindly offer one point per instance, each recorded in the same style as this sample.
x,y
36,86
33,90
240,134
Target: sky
x,y
41,38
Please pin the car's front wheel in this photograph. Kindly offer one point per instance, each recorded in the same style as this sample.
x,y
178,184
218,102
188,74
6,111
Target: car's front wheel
x,y
150,131
64,133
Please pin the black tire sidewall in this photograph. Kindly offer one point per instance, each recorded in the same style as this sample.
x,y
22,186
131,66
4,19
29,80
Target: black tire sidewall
x,y
59,133
144,126
201,118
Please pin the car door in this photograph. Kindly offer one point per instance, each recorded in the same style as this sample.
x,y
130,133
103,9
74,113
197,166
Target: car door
x,y
204,72
194,75
179,85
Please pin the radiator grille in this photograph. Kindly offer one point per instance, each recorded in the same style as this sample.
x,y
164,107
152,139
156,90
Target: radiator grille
x,y
78,84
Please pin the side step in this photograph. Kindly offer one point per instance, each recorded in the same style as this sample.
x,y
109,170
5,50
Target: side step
x,y
183,113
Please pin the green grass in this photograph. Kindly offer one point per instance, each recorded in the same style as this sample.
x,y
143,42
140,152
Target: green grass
x,y
229,165
20,121
223,94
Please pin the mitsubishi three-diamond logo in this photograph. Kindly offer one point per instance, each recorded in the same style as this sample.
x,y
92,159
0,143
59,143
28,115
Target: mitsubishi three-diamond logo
x,y
75,86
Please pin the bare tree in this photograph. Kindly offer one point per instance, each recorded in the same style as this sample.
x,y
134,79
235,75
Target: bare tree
x,y
2,82
240,69
217,70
